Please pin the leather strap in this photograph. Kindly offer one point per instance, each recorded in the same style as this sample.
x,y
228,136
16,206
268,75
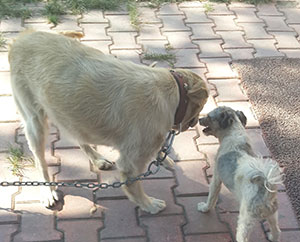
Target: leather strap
x,y
183,99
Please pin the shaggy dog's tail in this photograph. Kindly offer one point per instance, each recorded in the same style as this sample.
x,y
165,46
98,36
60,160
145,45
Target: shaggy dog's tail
x,y
266,172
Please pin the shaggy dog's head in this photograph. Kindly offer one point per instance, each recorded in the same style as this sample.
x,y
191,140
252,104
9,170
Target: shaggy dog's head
x,y
197,93
220,119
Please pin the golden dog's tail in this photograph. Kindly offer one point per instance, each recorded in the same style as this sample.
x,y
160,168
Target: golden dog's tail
x,y
72,34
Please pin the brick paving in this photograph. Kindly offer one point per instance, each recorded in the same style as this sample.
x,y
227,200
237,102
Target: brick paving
x,y
204,40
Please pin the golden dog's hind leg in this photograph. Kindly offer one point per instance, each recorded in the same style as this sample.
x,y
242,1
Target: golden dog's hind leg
x,y
35,124
135,191
98,160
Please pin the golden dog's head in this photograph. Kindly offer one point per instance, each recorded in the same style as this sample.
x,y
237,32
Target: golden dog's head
x,y
197,93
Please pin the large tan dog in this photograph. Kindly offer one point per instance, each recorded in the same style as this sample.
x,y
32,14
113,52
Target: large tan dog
x,y
98,99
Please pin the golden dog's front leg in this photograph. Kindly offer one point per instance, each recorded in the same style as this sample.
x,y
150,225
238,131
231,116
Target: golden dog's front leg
x,y
136,194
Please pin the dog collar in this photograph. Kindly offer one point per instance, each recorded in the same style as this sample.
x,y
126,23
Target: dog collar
x,y
183,100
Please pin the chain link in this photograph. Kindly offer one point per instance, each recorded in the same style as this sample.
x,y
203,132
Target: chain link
x,y
153,168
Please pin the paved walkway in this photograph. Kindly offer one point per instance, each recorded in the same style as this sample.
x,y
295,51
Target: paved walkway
x,y
205,42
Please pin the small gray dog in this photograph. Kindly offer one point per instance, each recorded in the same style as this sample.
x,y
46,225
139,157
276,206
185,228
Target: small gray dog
x,y
250,178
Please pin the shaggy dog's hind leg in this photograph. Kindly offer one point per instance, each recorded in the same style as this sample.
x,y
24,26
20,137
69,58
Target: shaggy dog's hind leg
x,y
98,160
274,233
245,223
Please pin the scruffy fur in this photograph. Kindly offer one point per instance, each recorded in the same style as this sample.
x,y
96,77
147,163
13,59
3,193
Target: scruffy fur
x,y
98,99
252,179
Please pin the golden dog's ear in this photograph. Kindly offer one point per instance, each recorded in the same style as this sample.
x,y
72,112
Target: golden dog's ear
x,y
198,93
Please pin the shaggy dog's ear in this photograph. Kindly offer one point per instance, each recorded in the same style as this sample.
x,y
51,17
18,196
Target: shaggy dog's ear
x,y
257,179
242,117
226,119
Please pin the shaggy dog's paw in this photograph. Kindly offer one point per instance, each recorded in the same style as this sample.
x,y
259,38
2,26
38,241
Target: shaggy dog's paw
x,y
103,164
203,207
168,164
155,206
49,196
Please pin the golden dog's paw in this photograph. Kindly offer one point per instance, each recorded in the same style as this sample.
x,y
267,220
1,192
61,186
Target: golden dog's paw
x,y
270,237
155,206
103,164
203,207
49,196
168,164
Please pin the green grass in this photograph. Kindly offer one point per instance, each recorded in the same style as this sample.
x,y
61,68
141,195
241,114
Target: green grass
x,y
15,8
168,57
133,13
17,161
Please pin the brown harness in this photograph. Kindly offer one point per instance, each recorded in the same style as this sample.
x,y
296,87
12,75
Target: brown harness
x,y
183,99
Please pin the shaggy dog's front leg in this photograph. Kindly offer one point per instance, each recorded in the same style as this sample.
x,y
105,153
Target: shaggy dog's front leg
x,y
214,190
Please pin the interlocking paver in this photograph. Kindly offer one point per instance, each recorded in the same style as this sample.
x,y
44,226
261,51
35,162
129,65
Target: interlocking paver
x,y
185,148
296,27
190,178
4,65
286,40
150,32
11,25
191,4
240,54
196,15
292,15
128,55
80,230
228,90
245,15
203,31
173,23
169,9
233,39
7,135
200,222
93,16
219,9
70,172
258,143
265,48
255,31
180,41
95,31
225,23
6,230
187,58
148,15
8,109
68,22
39,26
291,53
268,9
157,46
115,215
78,204
218,68
211,48
34,222
164,228
222,237
125,40
276,23
119,23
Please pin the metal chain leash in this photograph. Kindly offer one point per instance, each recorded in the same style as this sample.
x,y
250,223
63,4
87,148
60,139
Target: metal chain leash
x,y
153,168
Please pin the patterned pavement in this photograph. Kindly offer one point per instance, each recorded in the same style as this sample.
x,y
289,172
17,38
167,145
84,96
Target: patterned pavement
x,y
205,40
